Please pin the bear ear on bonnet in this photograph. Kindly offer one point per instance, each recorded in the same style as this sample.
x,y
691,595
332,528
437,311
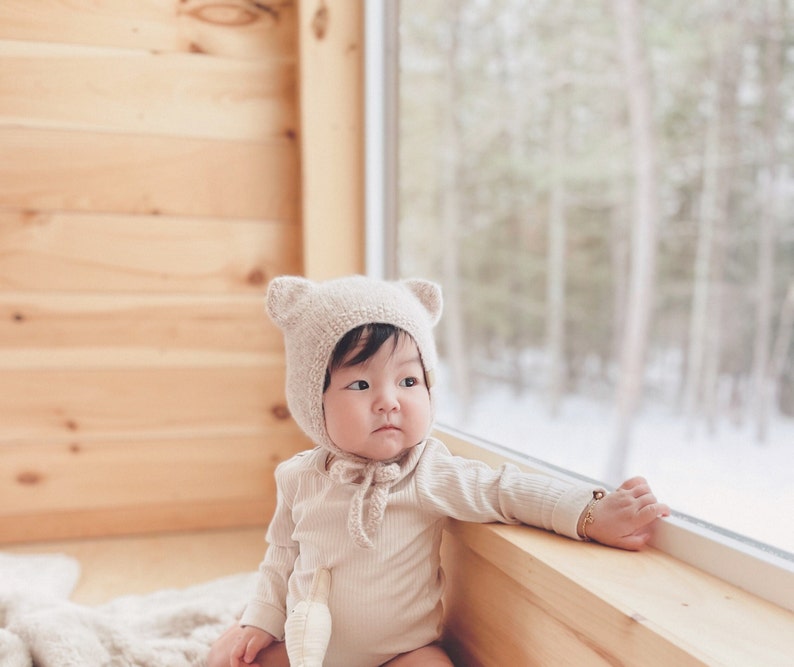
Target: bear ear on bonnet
x,y
286,298
428,294
283,297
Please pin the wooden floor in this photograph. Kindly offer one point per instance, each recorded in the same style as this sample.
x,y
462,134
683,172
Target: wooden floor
x,y
141,564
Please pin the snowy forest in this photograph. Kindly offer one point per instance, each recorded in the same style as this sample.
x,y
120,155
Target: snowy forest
x,y
605,191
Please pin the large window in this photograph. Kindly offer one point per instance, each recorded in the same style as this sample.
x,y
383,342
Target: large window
x,y
605,190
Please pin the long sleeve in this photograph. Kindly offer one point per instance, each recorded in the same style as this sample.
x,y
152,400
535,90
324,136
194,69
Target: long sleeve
x,y
267,609
473,491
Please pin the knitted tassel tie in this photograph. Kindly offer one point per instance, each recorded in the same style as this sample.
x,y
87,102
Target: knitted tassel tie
x,y
376,474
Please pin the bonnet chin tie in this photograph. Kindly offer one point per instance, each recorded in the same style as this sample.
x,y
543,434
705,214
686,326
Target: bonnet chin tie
x,y
375,474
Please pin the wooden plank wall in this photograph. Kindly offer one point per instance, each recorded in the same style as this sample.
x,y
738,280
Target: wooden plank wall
x,y
149,189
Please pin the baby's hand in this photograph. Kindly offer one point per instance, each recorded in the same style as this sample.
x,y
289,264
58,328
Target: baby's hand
x,y
250,641
624,517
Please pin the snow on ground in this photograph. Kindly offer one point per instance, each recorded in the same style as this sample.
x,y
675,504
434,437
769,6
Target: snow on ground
x,y
727,479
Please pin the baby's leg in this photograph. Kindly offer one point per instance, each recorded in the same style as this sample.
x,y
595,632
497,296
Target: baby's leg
x,y
427,656
274,655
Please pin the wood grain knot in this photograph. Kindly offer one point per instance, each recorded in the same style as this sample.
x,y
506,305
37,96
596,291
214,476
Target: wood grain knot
x,y
31,216
272,12
255,277
71,424
280,411
224,13
320,21
18,317
29,477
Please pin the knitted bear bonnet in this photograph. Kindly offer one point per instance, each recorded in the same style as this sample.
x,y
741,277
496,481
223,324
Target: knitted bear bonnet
x,y
314,316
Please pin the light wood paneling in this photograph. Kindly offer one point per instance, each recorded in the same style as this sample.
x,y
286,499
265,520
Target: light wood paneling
x,y
555,625
86,486
168,325
230,28
331,37
509,638
78,476
146,93
140,518
57,170
139,402
150,173
74,252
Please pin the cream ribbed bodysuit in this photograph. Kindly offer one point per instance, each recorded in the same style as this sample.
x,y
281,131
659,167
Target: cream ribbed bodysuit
x,y
387,600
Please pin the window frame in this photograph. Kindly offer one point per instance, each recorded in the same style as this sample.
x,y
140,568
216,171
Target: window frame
x,y
754,567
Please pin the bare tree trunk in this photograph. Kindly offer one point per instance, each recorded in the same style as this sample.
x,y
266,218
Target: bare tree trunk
x,y
764,296
702,270
728,77
619,218
556,273
785,331
782,363
511,123
770,194
704,336
451,208
644,231
716,308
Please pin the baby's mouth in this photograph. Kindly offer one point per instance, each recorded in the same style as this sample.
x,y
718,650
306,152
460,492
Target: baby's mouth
x,y
387,427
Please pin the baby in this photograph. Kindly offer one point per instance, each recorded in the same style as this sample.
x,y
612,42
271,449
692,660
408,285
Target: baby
x,y
369,502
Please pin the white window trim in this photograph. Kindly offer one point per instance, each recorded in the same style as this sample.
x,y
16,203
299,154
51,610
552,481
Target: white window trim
x,y
381,69
761,570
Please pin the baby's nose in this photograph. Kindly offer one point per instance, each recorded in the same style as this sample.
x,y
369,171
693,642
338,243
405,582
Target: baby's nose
x,y
387,401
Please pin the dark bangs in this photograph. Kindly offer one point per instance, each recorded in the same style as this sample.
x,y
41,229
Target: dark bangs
x,y
373,335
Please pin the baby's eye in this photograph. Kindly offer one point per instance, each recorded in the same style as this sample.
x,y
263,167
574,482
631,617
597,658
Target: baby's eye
x,y
409,382
358,385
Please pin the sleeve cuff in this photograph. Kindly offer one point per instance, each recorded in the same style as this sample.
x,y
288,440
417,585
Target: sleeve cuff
x,y
265,617
565,518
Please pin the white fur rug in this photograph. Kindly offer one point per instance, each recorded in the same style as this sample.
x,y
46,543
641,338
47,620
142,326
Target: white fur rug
x,y
40,627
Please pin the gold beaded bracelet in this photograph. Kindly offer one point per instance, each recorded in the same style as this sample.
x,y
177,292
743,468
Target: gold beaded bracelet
x,y
588,516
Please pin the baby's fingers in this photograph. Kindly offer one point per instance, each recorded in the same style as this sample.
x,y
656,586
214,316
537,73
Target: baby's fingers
x,y
644,520
253,647
247,648
652,511
630,484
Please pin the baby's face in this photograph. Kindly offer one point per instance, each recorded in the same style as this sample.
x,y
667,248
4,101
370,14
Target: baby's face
x,y
381,407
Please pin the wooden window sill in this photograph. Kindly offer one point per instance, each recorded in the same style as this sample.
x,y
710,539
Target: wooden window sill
x,y
521,596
